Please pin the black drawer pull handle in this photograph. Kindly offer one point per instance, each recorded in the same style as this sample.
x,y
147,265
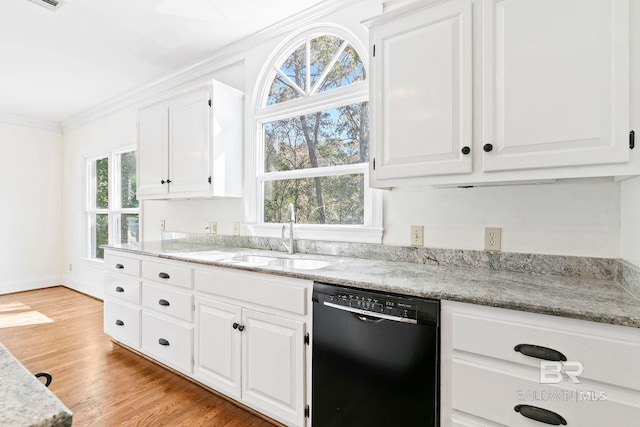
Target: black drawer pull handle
x,y
541,415
47,377
162,341
164,302
119,322
235,325
540,352
119,289
120,266
164,276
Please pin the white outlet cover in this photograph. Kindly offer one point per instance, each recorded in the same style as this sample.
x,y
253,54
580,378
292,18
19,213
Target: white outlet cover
x,y
492,239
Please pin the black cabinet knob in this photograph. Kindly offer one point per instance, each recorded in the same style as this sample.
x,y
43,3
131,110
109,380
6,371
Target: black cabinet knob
x,y
241,328
119,323
163,341
235,325
168,181
163,181
487,148
465,150
164,303
119,289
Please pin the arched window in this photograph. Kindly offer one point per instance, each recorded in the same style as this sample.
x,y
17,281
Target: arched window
x,y
313,134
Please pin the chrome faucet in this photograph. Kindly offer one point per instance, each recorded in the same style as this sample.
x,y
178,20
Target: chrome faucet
x,y
291,218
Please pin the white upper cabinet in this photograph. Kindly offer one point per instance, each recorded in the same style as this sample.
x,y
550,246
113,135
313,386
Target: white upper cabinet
x,y
421,86
530,89
153,150
191,145
556,83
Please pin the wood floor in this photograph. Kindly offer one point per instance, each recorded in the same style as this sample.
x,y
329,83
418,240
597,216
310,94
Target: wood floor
x,y
102,383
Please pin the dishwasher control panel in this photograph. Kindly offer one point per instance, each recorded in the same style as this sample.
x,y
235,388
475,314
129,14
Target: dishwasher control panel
x,y
369,301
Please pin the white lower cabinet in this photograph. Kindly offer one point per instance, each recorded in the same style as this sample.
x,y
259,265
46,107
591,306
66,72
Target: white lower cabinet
x,y
509,368
168,341
122,322
250,348
240,333
252,356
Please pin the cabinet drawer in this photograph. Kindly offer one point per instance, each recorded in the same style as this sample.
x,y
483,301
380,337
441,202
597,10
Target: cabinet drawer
x,y
605,351
278,292
168,301
122,322
167,273
122,264
168,341
122,287
493,395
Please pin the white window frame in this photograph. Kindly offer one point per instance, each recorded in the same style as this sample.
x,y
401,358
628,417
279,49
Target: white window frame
x,y
114,212
371,229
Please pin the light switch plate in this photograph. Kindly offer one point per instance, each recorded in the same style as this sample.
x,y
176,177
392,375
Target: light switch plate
x,y
417,235
492,239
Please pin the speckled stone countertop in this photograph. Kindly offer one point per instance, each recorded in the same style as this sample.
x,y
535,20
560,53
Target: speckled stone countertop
x,y
24,400
596,299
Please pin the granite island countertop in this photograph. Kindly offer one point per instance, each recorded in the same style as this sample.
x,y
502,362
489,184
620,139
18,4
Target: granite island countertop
x,y
585,298
24,400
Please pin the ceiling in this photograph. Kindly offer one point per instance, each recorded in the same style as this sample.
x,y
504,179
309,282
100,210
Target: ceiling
x,y
57,64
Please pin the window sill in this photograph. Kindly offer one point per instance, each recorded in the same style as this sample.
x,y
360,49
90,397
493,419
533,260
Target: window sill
x,y
334,233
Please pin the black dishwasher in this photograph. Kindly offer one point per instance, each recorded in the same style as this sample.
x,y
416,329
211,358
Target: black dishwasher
x,y
375,359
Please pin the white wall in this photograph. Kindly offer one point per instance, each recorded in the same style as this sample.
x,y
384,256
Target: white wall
x,y
630,229
30,208
580,217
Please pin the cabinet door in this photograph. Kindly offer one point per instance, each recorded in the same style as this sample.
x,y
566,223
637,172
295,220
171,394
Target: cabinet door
x,y
189,144
421,88
273,365
153,150
217,346
556,83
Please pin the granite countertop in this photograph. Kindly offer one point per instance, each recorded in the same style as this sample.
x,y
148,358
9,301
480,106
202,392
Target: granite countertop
x,y
24,400
595,299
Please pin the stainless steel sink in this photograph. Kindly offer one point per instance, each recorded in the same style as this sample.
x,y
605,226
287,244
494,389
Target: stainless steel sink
x,y
250,260
298,263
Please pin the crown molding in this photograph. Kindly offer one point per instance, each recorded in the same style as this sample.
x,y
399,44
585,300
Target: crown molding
x,y
221,58
32,123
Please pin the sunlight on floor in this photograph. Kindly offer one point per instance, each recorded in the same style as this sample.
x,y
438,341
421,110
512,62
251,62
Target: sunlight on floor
x,y
19,314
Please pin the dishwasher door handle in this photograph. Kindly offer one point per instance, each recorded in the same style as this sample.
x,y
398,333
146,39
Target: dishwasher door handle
x,y
370,314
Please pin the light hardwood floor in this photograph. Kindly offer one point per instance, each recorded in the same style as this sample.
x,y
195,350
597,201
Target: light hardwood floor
x,y
102,383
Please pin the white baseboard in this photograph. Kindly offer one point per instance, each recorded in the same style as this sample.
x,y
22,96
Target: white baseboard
x,y
95,290
29,285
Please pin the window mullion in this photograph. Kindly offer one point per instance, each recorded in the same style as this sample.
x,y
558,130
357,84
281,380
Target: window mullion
x,y
290,82
307,83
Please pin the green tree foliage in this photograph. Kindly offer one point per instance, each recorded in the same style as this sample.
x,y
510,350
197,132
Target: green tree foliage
x,y
336,136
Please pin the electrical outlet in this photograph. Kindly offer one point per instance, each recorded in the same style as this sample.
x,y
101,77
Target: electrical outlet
x,y
213,227
236,228
162,225
417,235
492,239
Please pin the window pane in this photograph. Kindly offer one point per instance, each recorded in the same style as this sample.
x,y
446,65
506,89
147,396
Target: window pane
x,y
128,180
100,234
281,91
322,50
321,200
348,69
338,136
295,66
102,183
129,228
